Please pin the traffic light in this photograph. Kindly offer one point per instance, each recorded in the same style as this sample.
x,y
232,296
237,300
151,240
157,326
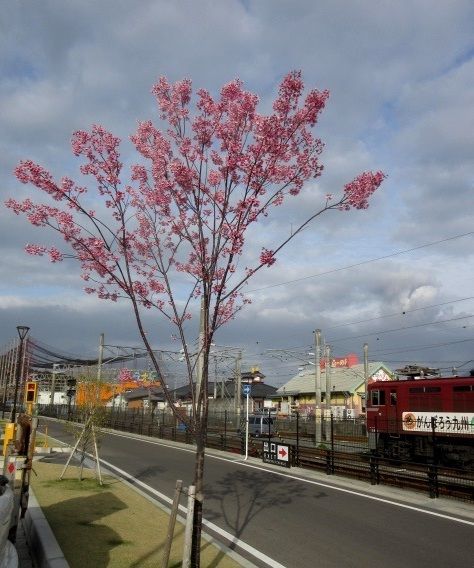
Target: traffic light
x,y
31,391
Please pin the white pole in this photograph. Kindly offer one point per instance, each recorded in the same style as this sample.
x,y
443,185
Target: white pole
x,y
247,429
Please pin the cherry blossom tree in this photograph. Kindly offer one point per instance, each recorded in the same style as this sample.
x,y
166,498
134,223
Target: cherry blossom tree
x,y
179,217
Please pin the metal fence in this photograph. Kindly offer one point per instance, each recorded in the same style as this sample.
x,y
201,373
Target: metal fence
x,y
341,450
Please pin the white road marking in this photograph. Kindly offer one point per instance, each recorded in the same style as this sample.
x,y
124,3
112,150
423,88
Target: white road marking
x,y
231,538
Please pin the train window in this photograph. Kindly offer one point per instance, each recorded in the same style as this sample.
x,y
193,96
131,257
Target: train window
x,y
415,389
432,389
463,388
393,398
378,397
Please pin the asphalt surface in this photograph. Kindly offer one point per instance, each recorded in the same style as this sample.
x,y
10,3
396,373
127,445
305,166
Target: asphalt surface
x,y
297,518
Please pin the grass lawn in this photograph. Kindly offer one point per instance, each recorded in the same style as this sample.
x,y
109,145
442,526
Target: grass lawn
x,y
109,525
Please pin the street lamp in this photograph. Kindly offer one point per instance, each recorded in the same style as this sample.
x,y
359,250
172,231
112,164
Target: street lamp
x,y
22,332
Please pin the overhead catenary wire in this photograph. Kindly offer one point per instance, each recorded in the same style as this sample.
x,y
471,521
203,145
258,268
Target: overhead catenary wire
x,y
361,263
401,313
421,347
382,332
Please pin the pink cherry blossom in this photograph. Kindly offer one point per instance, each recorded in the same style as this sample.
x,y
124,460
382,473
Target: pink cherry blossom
x,y
267,257
175,226
180,216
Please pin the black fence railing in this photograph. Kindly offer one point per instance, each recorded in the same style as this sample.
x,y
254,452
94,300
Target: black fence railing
x,y
334,446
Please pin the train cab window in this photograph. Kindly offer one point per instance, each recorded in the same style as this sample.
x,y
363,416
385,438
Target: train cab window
x,y
463,398
377,398
393,398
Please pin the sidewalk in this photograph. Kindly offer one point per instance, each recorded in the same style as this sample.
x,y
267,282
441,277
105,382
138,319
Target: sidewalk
x,y
35,544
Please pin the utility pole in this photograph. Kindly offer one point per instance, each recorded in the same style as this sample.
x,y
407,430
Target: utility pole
x,y
366,374
328,380
317,387
238,385
13,364
53,382
13,359
4,379
99,369
22,333
7,373
200,355
101,357
215,378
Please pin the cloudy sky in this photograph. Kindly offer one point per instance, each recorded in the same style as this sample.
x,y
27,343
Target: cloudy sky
x,y
398,276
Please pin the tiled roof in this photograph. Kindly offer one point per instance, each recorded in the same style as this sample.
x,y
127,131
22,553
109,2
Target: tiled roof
x,y
154,393
342,379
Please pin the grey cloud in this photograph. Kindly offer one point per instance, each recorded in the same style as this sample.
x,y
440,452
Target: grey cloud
x,y
401,91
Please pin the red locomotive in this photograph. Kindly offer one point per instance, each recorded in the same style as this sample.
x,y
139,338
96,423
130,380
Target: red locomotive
x,y
428,418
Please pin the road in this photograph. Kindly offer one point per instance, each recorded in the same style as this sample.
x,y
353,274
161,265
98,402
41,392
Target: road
x,y
294,522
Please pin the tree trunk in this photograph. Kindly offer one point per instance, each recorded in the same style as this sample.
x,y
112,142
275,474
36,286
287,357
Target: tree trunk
x,y
201,437
198,505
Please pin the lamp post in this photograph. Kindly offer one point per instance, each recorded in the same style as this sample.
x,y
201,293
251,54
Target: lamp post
x,y
22,332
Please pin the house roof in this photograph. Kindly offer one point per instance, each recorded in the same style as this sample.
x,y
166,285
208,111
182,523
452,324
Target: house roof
x,y
152,393
259,390
342,379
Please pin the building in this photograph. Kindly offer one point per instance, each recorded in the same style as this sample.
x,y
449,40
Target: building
x,y
148,398
346,384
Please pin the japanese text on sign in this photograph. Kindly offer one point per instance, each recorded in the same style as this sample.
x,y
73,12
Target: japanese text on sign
x,y
277,454
447,422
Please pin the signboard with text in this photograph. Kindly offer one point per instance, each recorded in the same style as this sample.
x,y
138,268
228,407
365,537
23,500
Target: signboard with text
x,y
444,422
277,454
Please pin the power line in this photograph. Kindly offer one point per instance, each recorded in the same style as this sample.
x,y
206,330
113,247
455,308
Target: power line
x,y
421,348
401,313
400,328
391,255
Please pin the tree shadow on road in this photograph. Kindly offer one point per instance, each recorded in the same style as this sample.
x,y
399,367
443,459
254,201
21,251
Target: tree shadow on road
x,y
148,472
243,495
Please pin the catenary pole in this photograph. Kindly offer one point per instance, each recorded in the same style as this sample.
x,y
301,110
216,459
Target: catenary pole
x,y
238,383
317,386
53,382
366,374
101,357
328,380
200,355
